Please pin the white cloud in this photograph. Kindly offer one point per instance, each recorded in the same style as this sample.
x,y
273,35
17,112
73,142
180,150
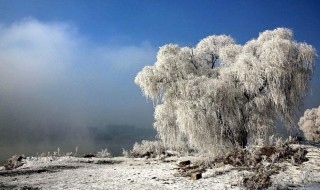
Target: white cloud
x,y
32,53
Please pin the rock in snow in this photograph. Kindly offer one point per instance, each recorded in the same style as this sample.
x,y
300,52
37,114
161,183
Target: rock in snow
x,y
196,176
14,162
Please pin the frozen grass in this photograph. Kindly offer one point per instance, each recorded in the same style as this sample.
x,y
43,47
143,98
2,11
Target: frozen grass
x,y
104,153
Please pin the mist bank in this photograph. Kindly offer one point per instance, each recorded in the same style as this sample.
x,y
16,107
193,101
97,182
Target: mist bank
x,y
55,82
86,140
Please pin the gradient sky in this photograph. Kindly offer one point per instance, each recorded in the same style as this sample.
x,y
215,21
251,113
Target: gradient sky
x,y
73,62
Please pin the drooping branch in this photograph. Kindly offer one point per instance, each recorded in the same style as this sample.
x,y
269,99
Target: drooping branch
x,y
214,58
192,60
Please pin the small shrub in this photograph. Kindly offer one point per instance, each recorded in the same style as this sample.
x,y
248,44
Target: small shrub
x,y
251,157
260,179
148,149
254,158
104,153
126,153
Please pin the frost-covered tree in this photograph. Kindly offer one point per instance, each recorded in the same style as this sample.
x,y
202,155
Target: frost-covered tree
x,y
219,94
309,123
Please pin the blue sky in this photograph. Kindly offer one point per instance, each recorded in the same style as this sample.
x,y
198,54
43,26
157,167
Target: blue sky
x,y
75,60
167,21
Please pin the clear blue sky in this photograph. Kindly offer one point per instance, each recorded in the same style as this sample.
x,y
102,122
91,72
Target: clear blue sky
x,y
121,31
167,21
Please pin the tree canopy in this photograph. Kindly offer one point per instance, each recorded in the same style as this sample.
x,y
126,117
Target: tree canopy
x,y
220,94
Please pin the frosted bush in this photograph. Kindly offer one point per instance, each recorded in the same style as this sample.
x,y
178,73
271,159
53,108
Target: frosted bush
x,y
219,94
126,153
147,148
310,124
104,153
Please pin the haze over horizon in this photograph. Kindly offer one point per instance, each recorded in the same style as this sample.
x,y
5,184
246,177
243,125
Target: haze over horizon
x,y
69,65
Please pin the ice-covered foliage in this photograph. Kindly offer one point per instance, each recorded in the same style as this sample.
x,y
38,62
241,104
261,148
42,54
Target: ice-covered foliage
x,y
310,124
219,94
104,153
147,148
126,153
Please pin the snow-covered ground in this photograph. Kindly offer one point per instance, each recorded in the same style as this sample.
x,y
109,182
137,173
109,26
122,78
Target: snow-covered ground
x,y
134,173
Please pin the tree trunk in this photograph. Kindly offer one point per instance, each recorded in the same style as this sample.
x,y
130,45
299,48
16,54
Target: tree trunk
x,y
242,139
